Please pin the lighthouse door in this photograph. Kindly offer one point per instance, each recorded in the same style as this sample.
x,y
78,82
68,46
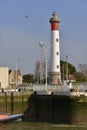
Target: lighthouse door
x,y
58,81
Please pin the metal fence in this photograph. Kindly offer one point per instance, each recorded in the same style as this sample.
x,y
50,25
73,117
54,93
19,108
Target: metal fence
x,y
62,88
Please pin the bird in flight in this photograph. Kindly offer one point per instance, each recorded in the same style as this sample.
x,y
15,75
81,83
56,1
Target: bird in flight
x,y
26,16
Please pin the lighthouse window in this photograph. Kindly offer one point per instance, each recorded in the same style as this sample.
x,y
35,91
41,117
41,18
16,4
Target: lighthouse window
x,y
57,66
57,53
56,39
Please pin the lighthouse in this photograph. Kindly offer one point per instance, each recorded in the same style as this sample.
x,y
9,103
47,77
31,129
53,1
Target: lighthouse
x,y
54,70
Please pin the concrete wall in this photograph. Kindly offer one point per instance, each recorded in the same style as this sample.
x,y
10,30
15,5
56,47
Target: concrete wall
x,y
56,108
4,77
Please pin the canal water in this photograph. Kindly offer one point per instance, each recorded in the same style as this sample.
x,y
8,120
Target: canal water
x,y
39,126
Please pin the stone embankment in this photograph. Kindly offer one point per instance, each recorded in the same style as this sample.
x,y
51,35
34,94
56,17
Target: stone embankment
x,y
57,108
48,108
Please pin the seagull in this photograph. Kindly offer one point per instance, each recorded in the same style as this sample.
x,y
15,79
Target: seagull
x,y
26,16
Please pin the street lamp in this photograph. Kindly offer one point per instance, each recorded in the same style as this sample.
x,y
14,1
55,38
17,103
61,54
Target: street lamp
x,y
46,50
16,76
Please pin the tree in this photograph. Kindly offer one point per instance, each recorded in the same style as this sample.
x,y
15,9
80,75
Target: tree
x,y
80,76
83,68
71,68
28,78
37,72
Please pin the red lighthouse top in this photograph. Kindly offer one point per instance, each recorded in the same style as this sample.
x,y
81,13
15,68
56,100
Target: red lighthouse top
x,y
54,21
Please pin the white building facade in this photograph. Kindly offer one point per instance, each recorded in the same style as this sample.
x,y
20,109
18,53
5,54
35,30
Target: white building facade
x,y
4,77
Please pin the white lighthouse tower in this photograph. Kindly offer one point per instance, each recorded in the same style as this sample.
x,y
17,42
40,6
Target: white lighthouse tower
x,y
54,72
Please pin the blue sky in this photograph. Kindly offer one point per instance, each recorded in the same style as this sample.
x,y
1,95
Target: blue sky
x,y
20,36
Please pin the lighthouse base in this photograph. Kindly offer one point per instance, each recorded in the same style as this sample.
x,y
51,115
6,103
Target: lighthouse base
x,y
54,78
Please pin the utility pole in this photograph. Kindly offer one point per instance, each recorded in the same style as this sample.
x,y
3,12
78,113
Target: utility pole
x,y
63,72
66,68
